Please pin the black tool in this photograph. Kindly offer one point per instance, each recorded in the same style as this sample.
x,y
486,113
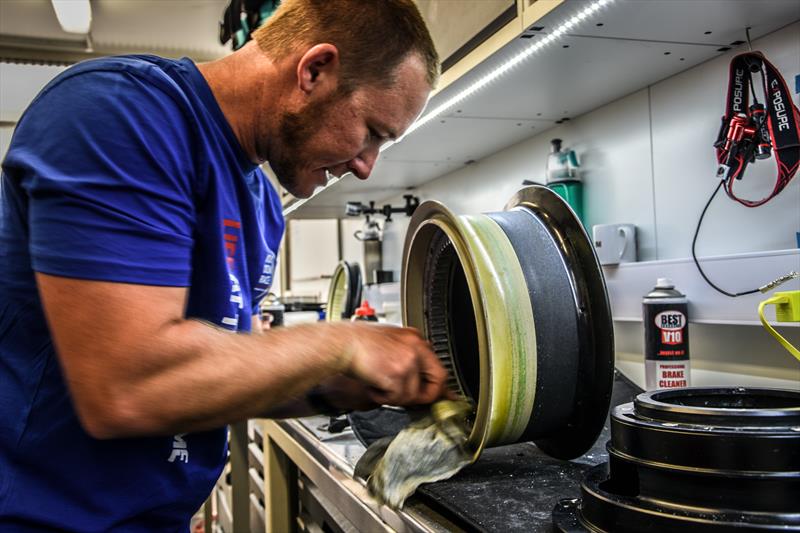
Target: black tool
x,y
355,209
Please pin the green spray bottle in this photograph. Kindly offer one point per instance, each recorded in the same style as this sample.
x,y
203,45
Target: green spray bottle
x,y
563,176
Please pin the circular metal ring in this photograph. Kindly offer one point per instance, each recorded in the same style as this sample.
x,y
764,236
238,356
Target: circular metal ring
x,y
604,508
728,407
344,294
503,318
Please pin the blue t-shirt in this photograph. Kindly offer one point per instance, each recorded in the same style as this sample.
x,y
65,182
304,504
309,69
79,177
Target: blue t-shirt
x,y
122,169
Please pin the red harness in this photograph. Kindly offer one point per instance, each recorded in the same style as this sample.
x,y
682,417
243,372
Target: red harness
x,y
748,132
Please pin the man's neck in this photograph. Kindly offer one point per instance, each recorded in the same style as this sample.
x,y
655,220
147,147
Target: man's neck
x,y
247,88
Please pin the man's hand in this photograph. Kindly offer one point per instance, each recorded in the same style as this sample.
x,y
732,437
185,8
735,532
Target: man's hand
x,y
388,365
397,365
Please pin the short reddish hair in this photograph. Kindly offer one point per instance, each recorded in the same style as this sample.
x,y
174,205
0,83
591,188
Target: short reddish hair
x,y
373,36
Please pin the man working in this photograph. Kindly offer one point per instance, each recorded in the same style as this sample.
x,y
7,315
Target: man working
x,y
137,233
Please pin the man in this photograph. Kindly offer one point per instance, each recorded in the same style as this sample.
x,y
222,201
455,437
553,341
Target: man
x,y
137,233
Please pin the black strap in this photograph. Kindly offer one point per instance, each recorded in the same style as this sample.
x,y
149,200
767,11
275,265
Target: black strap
x,y
775,123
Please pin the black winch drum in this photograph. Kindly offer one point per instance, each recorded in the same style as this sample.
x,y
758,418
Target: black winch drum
x,y
515,305
695,459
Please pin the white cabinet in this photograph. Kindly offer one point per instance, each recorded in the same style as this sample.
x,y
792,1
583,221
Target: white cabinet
x,y
313,255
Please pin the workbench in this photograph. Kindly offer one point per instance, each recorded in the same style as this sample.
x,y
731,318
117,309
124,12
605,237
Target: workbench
x,y
309,485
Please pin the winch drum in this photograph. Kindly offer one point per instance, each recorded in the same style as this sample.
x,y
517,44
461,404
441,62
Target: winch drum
x,y
515,306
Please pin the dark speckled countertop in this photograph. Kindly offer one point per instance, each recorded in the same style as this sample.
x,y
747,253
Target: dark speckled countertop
x,y
514,488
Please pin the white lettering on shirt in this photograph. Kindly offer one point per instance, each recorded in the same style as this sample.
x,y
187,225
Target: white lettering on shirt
x,y
236,298
180,450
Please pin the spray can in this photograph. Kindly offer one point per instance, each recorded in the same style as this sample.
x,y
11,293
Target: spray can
x,y
666,334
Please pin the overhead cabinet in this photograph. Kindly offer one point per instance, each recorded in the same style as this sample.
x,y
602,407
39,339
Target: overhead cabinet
x,y
458,28
466,32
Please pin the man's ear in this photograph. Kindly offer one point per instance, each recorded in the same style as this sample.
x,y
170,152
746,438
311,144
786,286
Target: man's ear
x,y
318,68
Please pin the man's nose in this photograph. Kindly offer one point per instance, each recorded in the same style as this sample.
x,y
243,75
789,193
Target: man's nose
x,y
362,164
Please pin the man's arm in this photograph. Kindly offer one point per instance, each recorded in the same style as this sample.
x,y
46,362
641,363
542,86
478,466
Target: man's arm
x,y
339,391
134,366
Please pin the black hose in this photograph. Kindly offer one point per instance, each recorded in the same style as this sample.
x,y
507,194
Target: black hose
x,y
694,255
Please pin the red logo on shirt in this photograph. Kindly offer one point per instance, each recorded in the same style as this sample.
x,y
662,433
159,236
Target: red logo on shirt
x,y
230,228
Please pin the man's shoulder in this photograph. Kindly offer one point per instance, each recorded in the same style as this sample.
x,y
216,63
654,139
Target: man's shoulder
x,y
98,94
122,74
113,105
142,62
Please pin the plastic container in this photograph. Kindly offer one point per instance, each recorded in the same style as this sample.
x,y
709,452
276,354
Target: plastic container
x,y
562,165
563,176
365,312
572,192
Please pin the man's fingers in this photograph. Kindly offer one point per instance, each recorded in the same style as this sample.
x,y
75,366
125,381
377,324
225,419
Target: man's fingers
x,y
412,385
433,377
379,396
428,392
398,365
451,395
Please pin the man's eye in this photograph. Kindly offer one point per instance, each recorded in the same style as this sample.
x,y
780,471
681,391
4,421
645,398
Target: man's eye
x,y
374,135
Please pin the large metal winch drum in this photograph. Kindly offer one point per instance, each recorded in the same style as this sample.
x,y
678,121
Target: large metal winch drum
x,y
515,306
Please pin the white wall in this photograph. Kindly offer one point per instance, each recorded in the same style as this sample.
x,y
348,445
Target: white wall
x,y
648,159
313,255
352,248
19,84
6,131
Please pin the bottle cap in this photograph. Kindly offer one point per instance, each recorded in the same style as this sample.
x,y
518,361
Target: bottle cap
x,y
365,310
664,283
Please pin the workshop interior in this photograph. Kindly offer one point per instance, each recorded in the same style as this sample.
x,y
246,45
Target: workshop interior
x,y
622,337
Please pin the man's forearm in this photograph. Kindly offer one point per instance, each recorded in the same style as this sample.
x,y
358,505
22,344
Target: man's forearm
x,y
205,377
162,374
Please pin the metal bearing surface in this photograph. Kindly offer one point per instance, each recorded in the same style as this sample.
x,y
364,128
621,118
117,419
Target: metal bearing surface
x,y
719,431
602,509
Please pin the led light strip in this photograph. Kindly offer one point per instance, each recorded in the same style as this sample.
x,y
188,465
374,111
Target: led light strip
x,y
479,84
489,77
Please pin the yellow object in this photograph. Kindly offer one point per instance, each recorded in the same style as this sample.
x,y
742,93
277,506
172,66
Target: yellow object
x,y
503,315
787,309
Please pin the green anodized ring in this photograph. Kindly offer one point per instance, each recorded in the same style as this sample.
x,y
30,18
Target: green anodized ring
x,y
502,314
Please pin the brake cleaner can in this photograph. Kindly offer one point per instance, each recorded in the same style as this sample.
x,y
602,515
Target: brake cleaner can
x,y
666,333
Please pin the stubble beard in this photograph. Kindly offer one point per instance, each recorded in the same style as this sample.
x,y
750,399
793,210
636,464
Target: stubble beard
x,y
295,131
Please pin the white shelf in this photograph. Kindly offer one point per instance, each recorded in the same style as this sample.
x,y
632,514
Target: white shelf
x,y
629,282
600,65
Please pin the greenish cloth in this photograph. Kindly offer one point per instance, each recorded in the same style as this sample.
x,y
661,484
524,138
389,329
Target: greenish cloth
x,y
429,449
